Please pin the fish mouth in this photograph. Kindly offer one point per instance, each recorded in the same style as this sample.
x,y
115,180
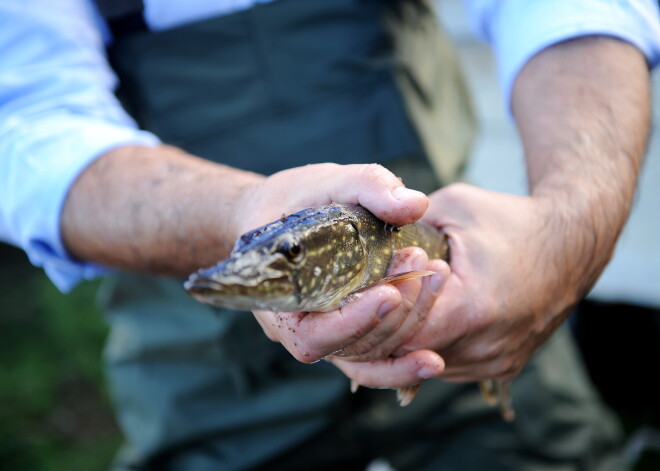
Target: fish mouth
x,y
232,291
200,285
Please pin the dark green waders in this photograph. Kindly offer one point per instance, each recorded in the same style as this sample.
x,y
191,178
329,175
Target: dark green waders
x,y
277,86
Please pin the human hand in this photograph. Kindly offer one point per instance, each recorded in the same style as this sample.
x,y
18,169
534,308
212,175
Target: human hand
x,y
372,186
516,273
418,296
374,315
370,362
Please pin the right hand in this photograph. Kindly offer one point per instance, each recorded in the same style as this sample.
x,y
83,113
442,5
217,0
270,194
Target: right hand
x,y
362,323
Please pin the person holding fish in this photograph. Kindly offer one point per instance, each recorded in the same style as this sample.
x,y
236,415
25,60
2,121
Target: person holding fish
x,y
254,101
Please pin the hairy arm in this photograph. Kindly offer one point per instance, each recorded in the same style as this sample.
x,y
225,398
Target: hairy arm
x,y
156,210
582,109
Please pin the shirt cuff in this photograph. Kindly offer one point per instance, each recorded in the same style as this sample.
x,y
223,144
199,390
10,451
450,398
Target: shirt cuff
x,y
519,29
51,154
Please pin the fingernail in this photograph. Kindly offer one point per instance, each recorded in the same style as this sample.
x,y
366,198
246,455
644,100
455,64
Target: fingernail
x,y
386,308
403,193
435,283
427,372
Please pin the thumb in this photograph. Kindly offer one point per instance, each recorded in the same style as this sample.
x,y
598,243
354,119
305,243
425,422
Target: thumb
x,y
375,188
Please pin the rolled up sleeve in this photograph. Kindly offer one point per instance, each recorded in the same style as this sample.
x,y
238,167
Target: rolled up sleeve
x,y
519,29
57,114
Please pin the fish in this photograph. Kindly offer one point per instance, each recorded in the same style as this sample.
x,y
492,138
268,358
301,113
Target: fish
x,y
317,260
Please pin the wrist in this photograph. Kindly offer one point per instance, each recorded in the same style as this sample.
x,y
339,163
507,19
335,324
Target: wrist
x,y
581,235
247,191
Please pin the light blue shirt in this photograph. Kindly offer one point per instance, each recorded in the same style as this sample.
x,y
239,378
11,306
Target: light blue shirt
x,y
58,111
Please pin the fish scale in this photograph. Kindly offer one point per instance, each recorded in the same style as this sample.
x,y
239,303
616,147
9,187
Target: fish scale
x,y
313,260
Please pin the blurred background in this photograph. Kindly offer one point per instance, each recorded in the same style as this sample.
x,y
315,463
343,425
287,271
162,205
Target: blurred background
x,y
54,409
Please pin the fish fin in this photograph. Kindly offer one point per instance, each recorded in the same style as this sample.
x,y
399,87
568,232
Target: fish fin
x,y
495,392
395,278
433,241
488,390
406,394
354,386
508,414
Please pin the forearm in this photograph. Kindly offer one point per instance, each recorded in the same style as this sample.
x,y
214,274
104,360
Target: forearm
x,y
156,210
582,108
160,210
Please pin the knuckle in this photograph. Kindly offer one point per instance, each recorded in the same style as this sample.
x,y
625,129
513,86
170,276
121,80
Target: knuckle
x,y
377,173
509,369
304,353
365,350
489,352
487,312
357,330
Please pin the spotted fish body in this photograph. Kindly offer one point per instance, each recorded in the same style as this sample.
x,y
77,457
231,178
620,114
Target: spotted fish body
x,y
314,260
310,261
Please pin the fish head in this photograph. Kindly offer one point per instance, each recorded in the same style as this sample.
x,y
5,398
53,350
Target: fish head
x,y
261,278
299,263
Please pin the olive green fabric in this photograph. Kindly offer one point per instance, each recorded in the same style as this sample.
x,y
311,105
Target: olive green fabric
x,y
429,77
196,388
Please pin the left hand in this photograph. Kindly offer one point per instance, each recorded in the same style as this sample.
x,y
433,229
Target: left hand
x,y
517,271
514,278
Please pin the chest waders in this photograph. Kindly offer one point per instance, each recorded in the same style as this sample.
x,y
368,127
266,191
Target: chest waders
x,y
281,85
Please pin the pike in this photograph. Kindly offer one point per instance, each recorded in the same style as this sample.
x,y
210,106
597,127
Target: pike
x,y
316,260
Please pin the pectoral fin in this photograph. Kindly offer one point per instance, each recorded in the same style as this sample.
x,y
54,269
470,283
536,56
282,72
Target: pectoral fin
x,y
495,392
395,278
406,394
488,391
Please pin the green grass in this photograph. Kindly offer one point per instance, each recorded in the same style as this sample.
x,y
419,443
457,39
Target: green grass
x,y
54,412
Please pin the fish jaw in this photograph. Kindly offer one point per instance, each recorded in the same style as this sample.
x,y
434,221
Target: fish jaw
x,y
246,281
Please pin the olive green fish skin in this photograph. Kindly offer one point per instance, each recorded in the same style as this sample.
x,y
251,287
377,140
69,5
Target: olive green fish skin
x,y
310,261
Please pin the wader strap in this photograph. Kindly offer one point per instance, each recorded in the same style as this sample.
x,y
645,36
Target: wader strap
x,y
279,85
429,77
124,17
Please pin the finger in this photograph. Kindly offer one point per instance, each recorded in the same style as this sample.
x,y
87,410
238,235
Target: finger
x,y
430,289
399,372
310,336
375,188
368,347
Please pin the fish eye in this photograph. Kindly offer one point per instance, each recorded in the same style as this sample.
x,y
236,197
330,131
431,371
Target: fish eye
x,y
294,250
291,251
